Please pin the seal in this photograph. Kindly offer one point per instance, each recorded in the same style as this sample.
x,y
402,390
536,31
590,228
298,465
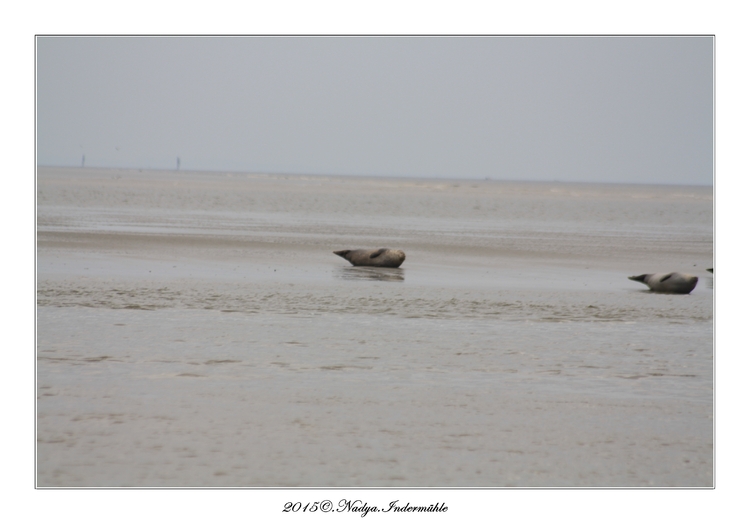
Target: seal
x,y
678,283
373,257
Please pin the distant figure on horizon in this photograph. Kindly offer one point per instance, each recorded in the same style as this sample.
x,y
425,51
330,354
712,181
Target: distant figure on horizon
x,y
83,160
178,163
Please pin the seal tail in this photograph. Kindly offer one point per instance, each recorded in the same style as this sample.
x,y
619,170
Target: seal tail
x,y
639,278
342,253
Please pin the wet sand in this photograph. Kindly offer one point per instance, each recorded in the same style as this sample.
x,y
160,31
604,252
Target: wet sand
x,y
195,329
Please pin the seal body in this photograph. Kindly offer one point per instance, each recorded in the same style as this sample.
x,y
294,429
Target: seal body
x,y
679,283
373,257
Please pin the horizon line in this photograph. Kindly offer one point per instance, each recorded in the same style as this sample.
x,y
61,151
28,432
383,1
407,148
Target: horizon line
x,y
423,177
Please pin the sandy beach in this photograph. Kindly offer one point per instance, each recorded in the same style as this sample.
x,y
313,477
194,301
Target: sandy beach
x,y
195,329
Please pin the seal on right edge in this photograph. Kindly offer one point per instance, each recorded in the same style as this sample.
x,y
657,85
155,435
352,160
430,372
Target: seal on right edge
x,y
677,283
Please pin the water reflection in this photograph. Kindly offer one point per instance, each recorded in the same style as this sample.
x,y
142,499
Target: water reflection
x,y
384,274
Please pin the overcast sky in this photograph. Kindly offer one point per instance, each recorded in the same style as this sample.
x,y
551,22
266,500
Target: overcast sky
x,y
598,109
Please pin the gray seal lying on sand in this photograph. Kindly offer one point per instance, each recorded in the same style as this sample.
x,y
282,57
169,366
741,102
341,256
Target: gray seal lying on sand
x,y
680,283
373,257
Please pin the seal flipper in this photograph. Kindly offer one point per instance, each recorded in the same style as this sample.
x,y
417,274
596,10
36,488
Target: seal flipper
x,y
664,279
378,253
640,278
342,253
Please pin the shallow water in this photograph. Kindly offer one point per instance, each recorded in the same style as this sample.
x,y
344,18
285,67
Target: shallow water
x,y
196,329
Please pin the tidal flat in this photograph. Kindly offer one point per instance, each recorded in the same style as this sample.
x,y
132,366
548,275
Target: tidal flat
x,y
196,329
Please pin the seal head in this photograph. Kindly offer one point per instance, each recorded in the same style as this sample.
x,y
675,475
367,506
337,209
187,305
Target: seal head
x,y
677,283
382,257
